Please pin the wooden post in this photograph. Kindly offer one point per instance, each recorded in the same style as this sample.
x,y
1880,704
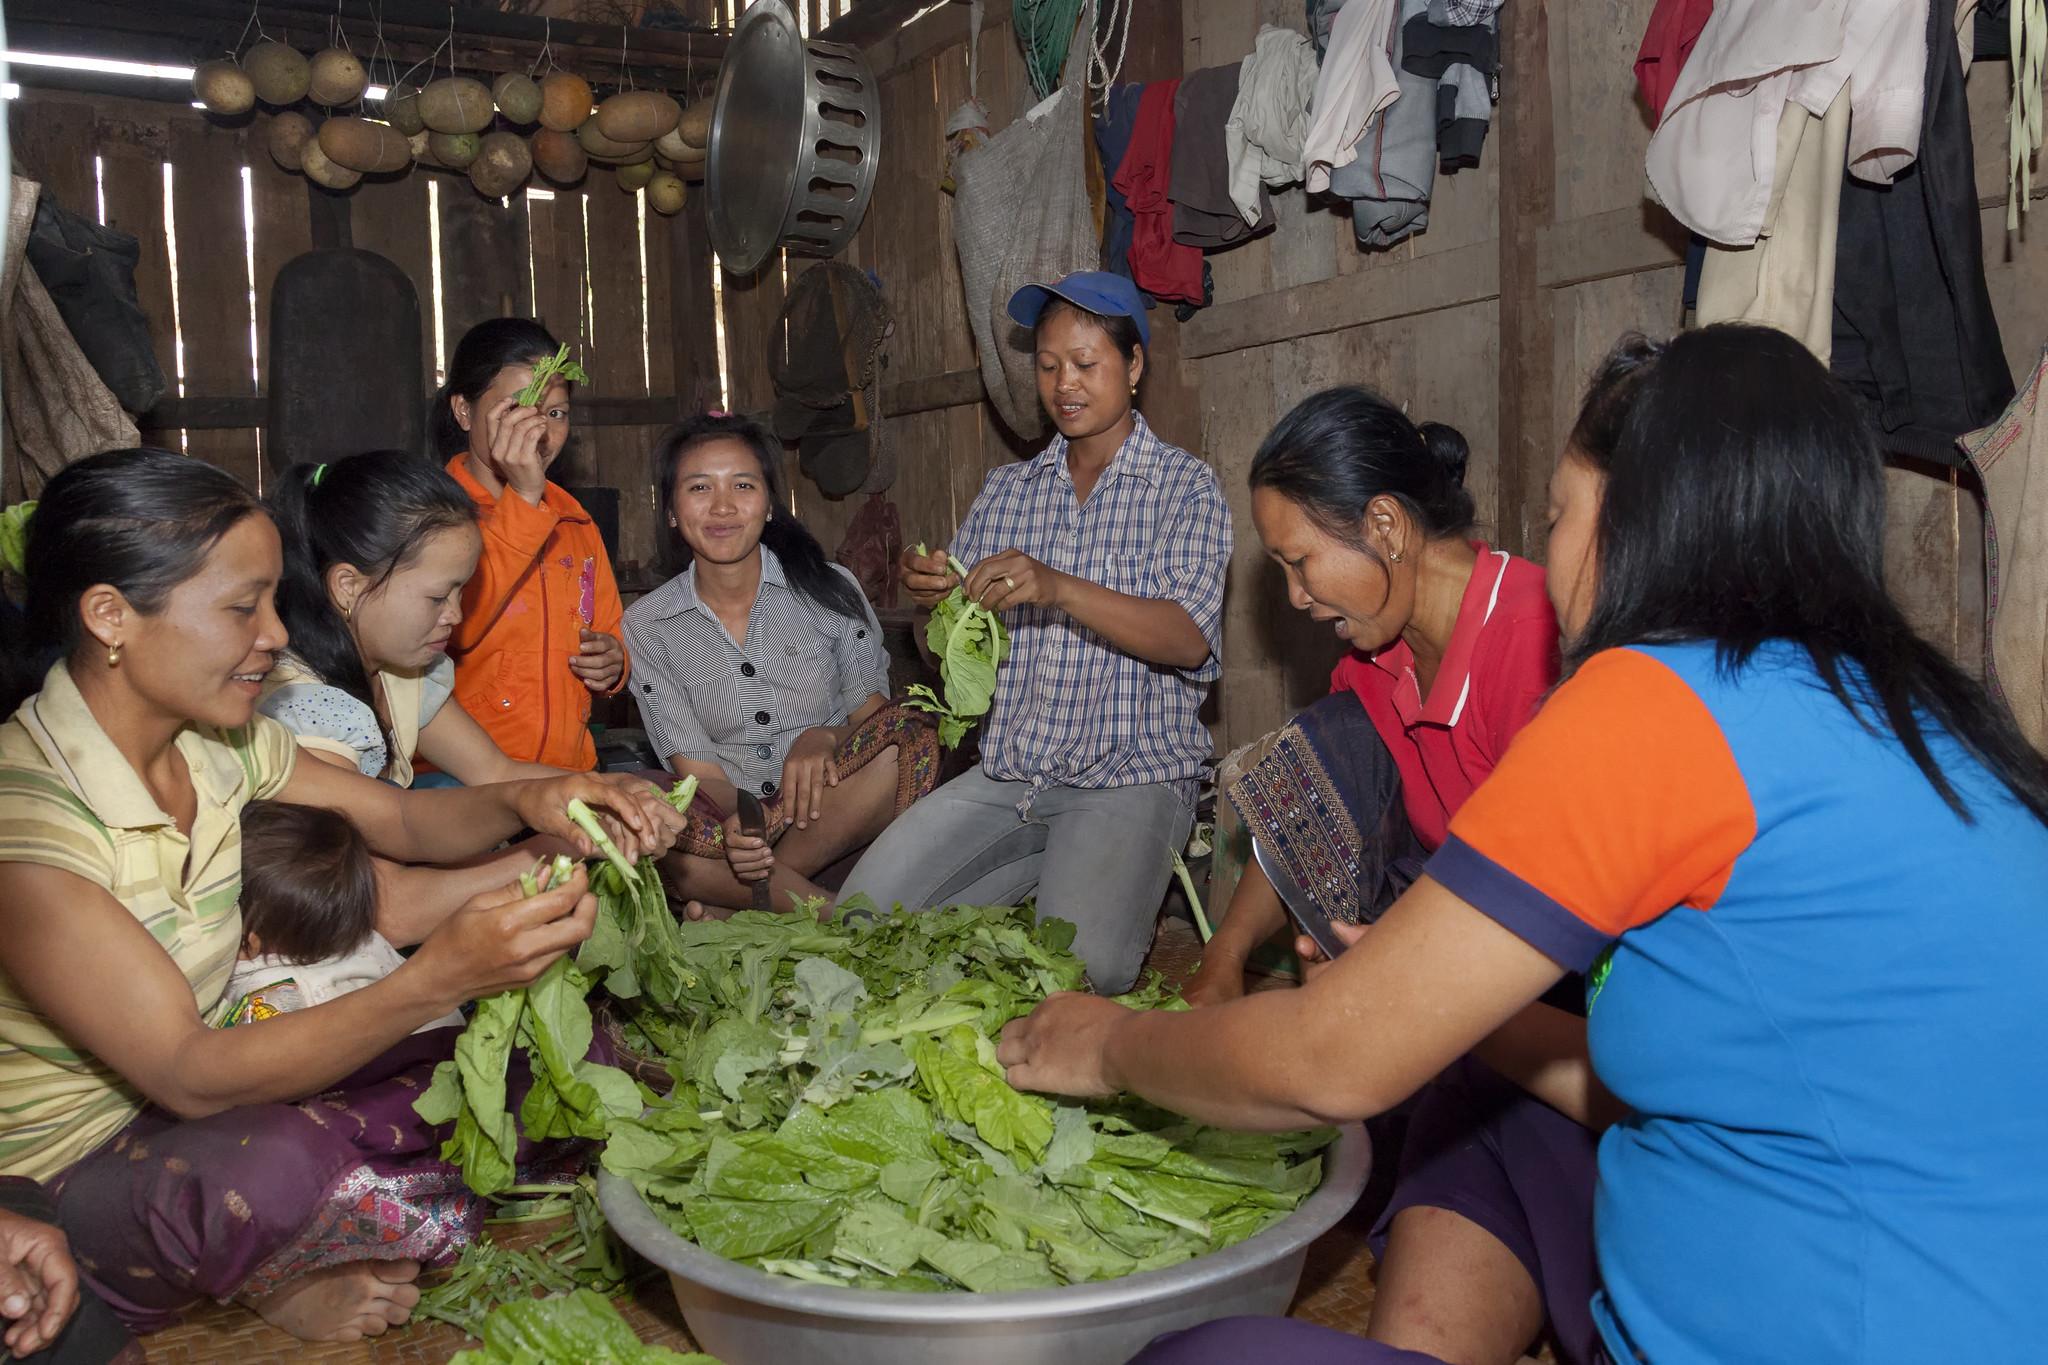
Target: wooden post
x,y
329,211
1528,208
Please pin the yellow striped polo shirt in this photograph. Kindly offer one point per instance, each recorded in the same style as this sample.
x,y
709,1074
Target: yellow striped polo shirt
x,y
69,800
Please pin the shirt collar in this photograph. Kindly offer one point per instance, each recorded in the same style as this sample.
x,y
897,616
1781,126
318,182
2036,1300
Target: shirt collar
x,y
1447,695
1141,455
552,495
679,594
86,760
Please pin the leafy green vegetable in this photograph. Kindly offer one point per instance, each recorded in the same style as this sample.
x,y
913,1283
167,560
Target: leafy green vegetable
x,y
839,1116
581,1326
586,820
547,369
583,1254
14,537
969,641
682,793
571,1096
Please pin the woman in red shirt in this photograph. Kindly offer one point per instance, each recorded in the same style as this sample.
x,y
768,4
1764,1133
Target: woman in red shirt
x,y
1453,646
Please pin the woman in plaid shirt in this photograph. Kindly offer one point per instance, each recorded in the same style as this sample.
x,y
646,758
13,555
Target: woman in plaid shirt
x,y
1105,556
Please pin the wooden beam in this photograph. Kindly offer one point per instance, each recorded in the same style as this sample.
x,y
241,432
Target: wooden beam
x,y
1528,211
228,414
954,389
1424,284
870,21
1625,241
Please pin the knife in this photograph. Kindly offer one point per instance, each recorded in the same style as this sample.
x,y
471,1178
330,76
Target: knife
x,y
754,821
1300,908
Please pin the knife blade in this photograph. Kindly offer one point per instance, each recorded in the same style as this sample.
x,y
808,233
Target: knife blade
x,y
754,821
1300,908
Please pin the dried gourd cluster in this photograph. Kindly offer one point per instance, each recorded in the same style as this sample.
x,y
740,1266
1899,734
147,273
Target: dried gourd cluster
x,y
458,123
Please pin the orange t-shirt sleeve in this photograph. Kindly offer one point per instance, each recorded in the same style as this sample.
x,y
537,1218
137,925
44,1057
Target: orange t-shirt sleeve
x,y
1617,803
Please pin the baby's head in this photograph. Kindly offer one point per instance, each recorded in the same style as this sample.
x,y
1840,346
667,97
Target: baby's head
x,y
309,889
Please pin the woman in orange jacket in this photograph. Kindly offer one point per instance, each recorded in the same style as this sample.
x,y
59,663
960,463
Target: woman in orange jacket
x,y
541,618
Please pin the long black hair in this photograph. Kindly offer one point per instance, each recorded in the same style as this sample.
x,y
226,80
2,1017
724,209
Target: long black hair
x,y
1337,450
810,573
374,511
140,520
1745,503
484,350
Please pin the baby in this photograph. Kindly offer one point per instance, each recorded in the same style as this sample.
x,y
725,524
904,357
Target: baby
x,y
309,899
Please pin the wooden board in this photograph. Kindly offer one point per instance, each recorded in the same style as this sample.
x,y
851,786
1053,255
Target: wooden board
x,y
212,276
616,357
692,311
393,217
132,138
485,264
284,230
54,143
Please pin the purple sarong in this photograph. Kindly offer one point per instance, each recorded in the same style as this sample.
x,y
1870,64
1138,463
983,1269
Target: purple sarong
x,y
234,1205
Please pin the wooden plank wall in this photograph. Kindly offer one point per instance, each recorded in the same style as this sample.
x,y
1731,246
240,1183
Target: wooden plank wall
x,y
573,257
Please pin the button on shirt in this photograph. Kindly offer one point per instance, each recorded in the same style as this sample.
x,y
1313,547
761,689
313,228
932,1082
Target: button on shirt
x,y
742,704
1070,708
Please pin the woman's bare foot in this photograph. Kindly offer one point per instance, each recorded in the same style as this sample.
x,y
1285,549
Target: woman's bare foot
x,y
345,1302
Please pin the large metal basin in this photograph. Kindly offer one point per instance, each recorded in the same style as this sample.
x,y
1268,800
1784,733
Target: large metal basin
x,y
748,1317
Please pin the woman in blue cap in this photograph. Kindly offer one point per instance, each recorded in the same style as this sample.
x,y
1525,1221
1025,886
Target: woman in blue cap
x,y
1105,557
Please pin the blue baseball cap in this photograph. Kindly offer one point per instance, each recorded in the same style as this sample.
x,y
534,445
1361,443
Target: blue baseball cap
x,y
1098,291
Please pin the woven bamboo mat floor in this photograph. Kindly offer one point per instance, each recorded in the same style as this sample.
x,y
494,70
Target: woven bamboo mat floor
x,y
1336,1288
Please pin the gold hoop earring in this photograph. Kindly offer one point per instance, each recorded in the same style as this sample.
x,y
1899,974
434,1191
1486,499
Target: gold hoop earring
x,y
113,656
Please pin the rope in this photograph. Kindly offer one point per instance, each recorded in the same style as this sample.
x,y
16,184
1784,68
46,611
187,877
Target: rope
x,y
2029,34
1045,29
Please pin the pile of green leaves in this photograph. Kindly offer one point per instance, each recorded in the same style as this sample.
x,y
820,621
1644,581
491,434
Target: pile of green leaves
x,y
969,641
583,1253
839,1116
544,371
581,1326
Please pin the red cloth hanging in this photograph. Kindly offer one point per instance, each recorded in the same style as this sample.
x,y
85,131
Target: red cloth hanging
x,y
1165,268
1674,27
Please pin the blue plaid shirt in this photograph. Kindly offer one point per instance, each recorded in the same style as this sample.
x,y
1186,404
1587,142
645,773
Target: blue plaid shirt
x,y
1070,708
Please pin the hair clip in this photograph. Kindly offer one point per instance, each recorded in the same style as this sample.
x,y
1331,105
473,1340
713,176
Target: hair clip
x,y
319,473
716,412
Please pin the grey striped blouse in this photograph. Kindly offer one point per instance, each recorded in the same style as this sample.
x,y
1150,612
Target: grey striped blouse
x,y
742,704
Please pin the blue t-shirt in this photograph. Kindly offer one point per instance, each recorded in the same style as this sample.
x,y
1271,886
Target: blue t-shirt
x,y
1822,993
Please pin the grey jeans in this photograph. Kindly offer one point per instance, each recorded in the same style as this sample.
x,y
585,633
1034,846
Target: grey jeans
x,y
1099,858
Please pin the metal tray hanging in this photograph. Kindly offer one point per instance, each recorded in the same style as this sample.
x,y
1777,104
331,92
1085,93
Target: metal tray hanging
x,y
795,134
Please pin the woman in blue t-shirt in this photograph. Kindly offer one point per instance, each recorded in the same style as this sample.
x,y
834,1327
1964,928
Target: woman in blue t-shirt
x,y
1800,856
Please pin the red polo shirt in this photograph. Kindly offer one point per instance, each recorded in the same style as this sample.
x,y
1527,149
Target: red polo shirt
x,y
1502,659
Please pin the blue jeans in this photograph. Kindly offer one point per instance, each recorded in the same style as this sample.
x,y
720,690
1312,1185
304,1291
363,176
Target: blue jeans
x,y
422,781
1099,858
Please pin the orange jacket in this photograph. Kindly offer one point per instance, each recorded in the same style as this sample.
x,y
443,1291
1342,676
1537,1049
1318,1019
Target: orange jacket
x,y
521,618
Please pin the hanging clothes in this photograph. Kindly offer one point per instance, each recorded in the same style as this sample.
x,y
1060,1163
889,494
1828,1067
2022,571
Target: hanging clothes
x,y
1390,180
1262,137
1205,215
1356,82
1160,265
1456,43
1915,337
2011,458
1673,30
1713,159
1113,127
1786,278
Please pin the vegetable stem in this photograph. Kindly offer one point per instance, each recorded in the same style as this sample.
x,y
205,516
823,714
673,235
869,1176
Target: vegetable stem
x,y
587,822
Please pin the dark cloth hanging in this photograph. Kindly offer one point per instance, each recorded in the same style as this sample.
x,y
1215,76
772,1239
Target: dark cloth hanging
x,y
1168,269
89,270
1464,61
1914,336
1992,37
1204,214
1113,128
